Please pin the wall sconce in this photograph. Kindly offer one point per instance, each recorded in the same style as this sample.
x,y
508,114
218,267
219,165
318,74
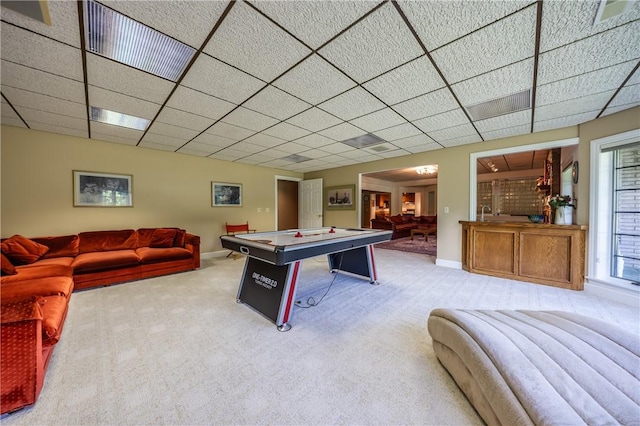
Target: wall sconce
x,y
427,170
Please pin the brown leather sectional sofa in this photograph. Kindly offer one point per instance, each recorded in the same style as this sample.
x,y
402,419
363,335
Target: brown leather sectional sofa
x,y
401,225
39,276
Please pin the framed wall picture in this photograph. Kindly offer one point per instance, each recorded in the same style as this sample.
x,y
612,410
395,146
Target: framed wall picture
x,y
226,194
95,189
340,197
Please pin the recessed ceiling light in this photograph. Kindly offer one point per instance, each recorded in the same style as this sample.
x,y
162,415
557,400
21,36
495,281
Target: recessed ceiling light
x,y
122,39
363,141
118,119
427,170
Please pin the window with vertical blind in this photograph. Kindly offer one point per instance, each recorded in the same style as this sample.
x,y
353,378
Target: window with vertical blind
x,y
626,212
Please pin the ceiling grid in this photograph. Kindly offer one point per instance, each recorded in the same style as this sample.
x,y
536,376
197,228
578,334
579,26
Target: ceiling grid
x,y
271,83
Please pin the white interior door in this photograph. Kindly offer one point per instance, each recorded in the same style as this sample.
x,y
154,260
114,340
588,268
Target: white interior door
x,y
310,196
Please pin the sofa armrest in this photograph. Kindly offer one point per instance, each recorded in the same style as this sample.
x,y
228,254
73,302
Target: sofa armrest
x,y
192,243
21,339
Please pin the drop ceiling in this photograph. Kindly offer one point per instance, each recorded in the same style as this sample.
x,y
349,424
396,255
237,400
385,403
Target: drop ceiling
x,y
272,83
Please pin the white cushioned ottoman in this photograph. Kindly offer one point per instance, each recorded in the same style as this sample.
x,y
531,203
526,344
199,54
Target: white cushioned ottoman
x,y
540,367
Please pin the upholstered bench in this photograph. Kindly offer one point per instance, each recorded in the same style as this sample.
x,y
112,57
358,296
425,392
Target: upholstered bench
x,y
540,367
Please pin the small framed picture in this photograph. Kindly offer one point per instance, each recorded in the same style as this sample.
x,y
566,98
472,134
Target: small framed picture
x,y
94,189
226,194
340,197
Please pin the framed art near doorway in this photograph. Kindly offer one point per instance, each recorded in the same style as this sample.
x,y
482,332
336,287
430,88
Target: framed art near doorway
x,y
340,197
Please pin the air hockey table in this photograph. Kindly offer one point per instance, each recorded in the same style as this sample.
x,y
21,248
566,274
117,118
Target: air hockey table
x,y
272,267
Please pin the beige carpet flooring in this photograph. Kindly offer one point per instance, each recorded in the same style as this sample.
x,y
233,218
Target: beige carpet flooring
x,y
179,350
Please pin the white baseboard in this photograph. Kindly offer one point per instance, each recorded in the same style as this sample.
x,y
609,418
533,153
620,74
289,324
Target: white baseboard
x,y
612,292
449,263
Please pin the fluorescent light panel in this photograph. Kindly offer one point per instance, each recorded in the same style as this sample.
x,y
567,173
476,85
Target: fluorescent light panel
x,y
122,39
118,119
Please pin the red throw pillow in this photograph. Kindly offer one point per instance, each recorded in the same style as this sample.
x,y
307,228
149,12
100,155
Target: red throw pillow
x,y
7,266
22,251
178,241
162,238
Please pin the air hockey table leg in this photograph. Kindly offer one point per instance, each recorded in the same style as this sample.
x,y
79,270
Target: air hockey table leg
x,y
359,261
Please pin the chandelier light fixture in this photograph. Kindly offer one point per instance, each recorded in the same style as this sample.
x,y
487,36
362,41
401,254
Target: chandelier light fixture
x,y
427,170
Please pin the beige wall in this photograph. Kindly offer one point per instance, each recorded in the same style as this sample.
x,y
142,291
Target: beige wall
x,y
169,189
174,190
453,174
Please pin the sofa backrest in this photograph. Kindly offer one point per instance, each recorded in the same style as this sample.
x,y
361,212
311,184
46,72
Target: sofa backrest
x,y
108,240
159,237
62,246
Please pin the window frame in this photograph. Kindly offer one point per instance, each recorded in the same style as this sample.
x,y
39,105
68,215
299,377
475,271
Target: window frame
x,y
600,205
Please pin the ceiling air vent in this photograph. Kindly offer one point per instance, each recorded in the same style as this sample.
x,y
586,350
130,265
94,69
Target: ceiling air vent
x,y
501,106
364,141
295,158
380,148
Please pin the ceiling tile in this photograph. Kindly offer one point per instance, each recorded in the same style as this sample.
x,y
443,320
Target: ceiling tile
x,y
314,81
343,132
430,104
505,121
505,42
32,116
119,133
168,17
164,140
199,103
366,50
461,140
354,103
583,84
24,98
64,22
286,131
43,53
590,54
111,138
120,78
314,141
183,120
506,132
567,21
157,146
314,120
496,84
627,95
337,148
413,141
440,22
564,121
209,75
229,154
393,153
249,119
243,38
214,142
247,147
315,22
441,121
117,102
378,120
174,133
83,133
229,131
21,77
408,81
275,103
193,151
456,132
264,141
398,132
573,106
618,108
292,148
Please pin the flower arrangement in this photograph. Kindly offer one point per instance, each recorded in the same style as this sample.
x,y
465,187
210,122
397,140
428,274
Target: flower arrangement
x,y
560,201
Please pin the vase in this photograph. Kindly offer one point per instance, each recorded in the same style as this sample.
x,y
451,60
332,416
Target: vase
x,y
564,215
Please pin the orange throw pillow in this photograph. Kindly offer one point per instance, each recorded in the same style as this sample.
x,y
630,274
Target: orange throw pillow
x,y
7,266
162,238
22,251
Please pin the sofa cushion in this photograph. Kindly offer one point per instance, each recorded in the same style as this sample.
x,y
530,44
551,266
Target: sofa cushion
x,y
162,238
96,261
22,251
37,270
146,234
98,241
179,239
49,286
63,246
396,219
54,311
7,266
152,255
65,261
